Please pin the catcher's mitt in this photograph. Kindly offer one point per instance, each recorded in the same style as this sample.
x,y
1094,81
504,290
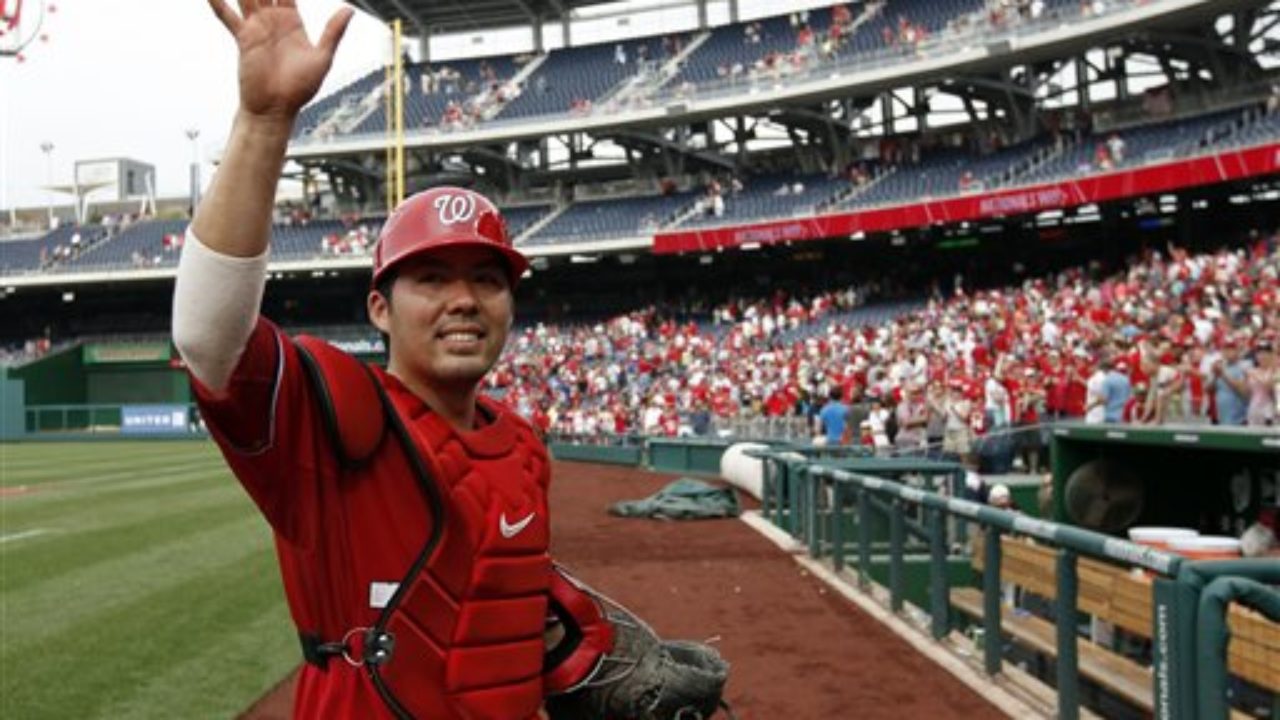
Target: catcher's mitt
x,y
646,678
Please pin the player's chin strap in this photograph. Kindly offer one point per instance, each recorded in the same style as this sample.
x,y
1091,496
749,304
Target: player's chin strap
x,y
611,664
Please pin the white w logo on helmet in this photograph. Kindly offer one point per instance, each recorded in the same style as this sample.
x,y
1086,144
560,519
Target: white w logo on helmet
x,y
454,209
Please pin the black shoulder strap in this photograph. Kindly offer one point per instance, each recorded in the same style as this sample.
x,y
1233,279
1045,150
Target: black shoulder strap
x,y
358,413
349,399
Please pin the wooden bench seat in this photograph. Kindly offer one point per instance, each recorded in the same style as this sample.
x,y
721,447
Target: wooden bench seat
x,y
1123,598
1127,679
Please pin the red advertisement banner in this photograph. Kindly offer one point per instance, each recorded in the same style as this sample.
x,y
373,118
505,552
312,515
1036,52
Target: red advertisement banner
x,y
1164,177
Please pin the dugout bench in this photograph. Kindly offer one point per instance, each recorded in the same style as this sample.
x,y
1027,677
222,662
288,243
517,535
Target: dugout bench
x,y
1123,599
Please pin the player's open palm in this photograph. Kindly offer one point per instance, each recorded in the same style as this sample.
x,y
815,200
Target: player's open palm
x,y
280,69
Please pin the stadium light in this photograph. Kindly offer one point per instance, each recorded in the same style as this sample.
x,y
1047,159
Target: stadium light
x,y
46,147
193,134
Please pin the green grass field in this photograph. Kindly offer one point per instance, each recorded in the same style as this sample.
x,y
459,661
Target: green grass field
x,y
136,581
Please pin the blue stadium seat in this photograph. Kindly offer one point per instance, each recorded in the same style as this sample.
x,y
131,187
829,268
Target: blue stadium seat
x,y
144,237
19,257
771,196
1144,144
572,74
613,218
520,218
315,113
426,100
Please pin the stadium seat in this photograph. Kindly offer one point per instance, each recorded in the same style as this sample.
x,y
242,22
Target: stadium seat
x,y
611,219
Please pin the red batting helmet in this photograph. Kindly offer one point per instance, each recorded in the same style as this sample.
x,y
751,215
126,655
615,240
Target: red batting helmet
x,y
444,217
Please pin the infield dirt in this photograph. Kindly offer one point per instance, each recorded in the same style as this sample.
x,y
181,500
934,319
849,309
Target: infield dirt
x,y
798,650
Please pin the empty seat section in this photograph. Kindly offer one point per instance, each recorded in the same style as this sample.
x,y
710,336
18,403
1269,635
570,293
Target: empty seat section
x,y
614,218
770,196
313,115
520,218
571,75
142,244
432,87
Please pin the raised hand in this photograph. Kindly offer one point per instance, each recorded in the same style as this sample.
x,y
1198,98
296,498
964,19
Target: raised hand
x,y
280,69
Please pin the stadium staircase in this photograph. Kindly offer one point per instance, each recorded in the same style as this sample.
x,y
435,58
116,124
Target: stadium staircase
x,y
519,80
371,103
647,84
1049,155
141,244
686,213
317,114
851,193
542,222
348,114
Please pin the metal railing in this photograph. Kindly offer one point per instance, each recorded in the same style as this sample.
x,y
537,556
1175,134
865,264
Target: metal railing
x,y
1188,632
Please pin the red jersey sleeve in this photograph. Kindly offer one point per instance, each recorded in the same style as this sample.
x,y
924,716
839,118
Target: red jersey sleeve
x,y
266,424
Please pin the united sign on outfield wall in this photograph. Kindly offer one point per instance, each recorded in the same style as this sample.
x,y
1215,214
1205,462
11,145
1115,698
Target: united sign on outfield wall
x,y
153,419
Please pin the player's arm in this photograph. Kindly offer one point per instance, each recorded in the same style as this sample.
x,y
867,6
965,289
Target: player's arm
x,y
280,70
223,266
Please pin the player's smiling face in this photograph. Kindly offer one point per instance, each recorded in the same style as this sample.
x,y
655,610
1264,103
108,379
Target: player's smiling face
x,y
448,316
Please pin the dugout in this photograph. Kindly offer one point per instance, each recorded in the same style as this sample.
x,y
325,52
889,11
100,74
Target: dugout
x,y
1208,478
88,386
106,373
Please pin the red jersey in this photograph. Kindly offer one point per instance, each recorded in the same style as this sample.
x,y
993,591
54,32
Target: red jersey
x,y
344,538
1073,397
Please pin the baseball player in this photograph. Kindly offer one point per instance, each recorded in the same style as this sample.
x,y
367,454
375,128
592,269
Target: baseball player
x,y
410,514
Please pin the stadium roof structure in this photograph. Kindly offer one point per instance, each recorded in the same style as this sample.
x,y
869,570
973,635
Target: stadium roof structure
x,y
425,17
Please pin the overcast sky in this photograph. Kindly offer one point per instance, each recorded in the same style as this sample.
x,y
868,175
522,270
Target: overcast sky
x,y
127,78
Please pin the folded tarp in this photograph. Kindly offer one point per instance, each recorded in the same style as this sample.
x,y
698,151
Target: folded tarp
x,y
684,499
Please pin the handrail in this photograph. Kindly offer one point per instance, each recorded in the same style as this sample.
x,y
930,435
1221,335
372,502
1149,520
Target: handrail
x,y
1189,630
1078,539
1212,635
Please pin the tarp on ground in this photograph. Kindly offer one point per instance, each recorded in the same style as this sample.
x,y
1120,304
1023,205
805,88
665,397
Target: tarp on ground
x,y
683,499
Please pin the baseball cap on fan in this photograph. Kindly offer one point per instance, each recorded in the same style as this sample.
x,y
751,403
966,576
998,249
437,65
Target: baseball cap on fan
x,y
445,217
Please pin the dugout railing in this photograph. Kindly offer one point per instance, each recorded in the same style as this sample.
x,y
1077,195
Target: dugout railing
x,y
817,503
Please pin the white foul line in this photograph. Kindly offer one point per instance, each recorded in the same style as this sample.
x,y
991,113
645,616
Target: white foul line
x,y
22,535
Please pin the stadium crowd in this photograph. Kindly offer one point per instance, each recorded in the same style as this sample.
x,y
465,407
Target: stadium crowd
x,y
1177,338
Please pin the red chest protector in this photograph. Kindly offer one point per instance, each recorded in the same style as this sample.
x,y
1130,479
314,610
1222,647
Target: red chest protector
x,y
462,636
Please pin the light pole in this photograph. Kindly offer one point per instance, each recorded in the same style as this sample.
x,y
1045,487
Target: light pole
x,y
193,134
46,147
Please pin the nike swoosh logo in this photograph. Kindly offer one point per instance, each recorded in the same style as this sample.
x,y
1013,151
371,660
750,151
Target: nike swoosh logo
x,y
509,530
